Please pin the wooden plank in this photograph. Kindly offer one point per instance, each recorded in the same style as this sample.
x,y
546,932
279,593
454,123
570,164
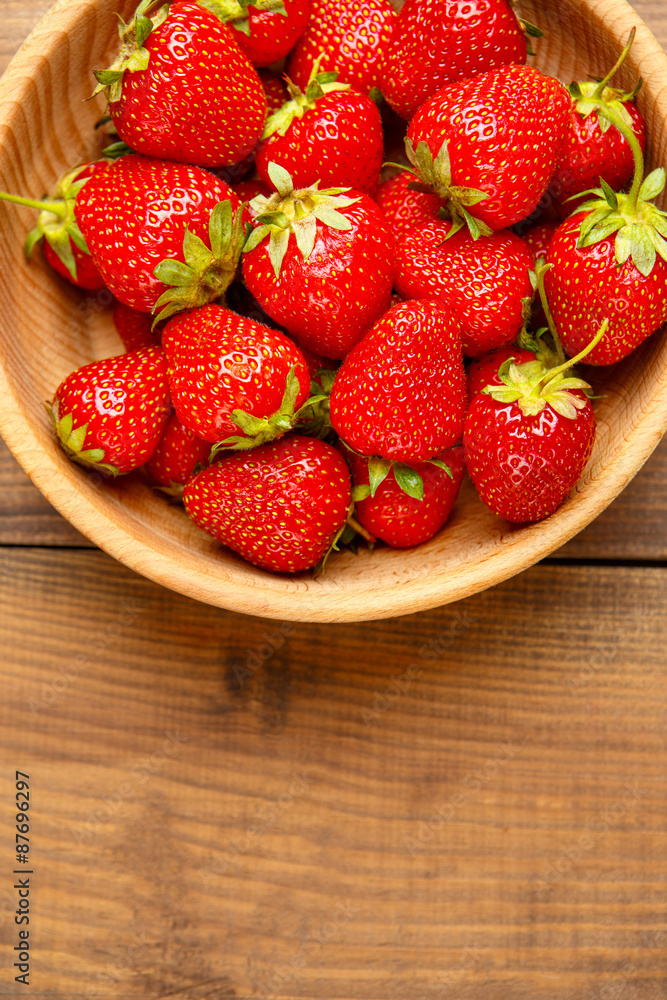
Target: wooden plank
x,y
462,804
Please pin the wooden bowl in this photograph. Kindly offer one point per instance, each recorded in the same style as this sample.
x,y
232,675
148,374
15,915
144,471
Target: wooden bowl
x,y
48,329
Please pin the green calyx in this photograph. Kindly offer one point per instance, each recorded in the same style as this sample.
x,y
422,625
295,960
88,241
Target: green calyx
x,y
409,481
234,13
315,415
533,388
300,104
56,223
597,97
132,56
436,175
290,212
205,273
72,440
262,430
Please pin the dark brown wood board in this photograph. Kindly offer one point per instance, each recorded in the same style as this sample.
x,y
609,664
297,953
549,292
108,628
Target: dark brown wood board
x,y
463,804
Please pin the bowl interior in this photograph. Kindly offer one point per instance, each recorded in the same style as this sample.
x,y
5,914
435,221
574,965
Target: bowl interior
x,y
48,328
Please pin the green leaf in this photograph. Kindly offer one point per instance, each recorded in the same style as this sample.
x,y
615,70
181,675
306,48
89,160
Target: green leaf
x,y
142,27
438,462
220,228
360,493
251,426
195,252
305,233
610,194
174,273
277,249
31,240
378,470
654,184
255,238
409,481
280,179
60,243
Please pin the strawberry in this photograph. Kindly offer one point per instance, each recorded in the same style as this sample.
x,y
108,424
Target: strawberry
x,y
352,35
146,221
275,90
320,263
538,238
485,370
109,415
400,394
594,149
181,89
266,30
528,440
485,281
403,207
246,190
135,328
393,515
178,452
279,506
63,244
436,43
228,373
330,134
489,145
608,263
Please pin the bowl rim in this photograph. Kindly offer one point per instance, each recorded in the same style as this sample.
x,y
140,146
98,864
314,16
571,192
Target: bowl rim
x,y
280,597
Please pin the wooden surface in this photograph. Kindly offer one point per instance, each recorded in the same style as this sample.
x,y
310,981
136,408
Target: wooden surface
x,y
467,803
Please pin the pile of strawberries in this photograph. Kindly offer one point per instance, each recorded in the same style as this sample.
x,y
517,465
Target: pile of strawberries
x,y
319,341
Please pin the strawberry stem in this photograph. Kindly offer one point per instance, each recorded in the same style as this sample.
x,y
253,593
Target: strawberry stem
x,y
630,207
548,314
603,84
360,530
571,362
57,207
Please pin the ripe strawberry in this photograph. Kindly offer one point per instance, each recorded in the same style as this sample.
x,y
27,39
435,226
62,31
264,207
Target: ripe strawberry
x,y
538,239
528,441
246,190
110,415
178,452
485,281
489,144
275,90
228,373
402,520
147,222
320,263
63,245
267,30
181,89
352,34
609,263
330,133
485,371
594,149
403,207
401,394
135,328
436,43
279,506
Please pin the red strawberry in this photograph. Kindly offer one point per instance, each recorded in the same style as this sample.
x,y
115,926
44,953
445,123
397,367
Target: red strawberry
x,y
275,90
245,191
279,506
485,281
436,43
266,32
489,144
110,414
141,213
485,371
135,328
177,453
401,393
181,89
402,520
62,242
594,149
404,208
320,263
538,239
330,133
352,34
228,373
528,441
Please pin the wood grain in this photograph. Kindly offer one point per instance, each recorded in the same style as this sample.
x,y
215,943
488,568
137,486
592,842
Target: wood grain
x,y
466,804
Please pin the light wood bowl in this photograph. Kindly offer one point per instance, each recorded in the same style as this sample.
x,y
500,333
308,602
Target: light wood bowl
x,y
48,329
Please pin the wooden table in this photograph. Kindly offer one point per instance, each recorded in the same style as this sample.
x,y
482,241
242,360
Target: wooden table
x,y
463,804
